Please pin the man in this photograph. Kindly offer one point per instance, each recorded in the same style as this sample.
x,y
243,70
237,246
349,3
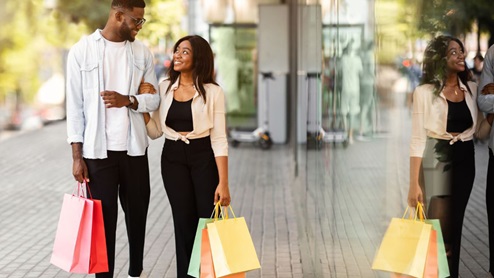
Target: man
x,y
485,100
105,126
478,64
350,72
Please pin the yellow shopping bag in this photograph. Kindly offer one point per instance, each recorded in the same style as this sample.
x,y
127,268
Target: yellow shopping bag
x,y
404,247
231,246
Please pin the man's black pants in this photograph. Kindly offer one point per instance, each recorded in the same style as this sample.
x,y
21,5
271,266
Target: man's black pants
x,y
125,177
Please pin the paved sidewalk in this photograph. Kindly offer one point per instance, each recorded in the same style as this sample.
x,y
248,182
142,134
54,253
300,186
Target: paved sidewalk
x,y
327,222
35,171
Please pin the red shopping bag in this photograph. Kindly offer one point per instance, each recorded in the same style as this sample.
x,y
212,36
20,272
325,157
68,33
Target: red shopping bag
x,y
207,267
99,258
80,243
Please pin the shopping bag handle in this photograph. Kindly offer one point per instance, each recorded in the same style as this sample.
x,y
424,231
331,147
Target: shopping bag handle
x,y
220,212
217,211
80,190
409,215
419,213
225,214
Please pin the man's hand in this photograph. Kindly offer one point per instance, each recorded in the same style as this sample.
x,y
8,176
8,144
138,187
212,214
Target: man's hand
x,y
114,99
79,168
488,89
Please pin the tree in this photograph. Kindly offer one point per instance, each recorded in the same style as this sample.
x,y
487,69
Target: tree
x,y
163,17
92,13
34,37
164,22
457,17
481,11
18,56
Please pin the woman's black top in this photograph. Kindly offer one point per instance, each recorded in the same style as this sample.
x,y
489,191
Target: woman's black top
x,y
179,116
459,117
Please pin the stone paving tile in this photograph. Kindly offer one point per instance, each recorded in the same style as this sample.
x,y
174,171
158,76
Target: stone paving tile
x,y
326,222
34,177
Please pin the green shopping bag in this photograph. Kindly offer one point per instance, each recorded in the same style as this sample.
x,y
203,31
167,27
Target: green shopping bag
x,y
442,260
195,258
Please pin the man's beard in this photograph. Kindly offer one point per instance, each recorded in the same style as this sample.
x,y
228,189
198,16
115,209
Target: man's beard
x,y
125,33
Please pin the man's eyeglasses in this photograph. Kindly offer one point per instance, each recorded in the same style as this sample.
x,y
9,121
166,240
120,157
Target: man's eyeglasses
x,y
138,21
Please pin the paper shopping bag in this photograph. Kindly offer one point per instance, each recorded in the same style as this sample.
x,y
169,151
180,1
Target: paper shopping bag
x,y
442,260
72,246
80,243
430,270
232,247
99,258
195,259
404,247
207,267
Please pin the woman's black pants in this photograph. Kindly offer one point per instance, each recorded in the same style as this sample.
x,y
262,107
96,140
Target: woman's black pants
x,y
462,162
190,176
489,200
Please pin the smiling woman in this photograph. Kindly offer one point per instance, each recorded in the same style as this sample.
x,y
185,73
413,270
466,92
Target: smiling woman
x,y
445,119
194,161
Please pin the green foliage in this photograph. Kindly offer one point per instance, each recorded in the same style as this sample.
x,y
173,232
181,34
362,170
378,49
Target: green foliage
x,y
396,21
19,51
93,13
163,17
456,17
34,38
163,22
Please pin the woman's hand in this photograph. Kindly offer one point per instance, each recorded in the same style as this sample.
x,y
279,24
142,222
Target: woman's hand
x,y
415,195
488,89
146,88
490,118
222,194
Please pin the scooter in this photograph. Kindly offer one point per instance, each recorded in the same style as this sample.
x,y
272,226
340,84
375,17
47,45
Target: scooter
x,y
260,136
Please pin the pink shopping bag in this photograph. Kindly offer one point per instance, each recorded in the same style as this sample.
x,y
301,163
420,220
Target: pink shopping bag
x,y
80,243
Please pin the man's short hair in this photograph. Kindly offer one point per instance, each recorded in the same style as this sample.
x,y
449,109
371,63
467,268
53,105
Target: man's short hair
x,y
479,57
128,4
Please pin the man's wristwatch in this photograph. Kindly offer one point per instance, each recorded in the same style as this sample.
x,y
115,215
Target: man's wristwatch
x,y
132,101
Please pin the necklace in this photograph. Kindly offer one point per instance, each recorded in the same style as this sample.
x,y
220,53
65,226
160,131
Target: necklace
x,y
186,85
454,86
